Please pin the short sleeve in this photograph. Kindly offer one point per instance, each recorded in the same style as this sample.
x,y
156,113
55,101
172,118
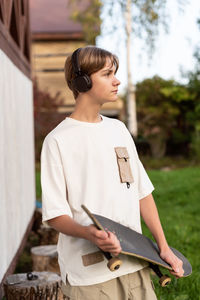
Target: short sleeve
x,y
53,183
145,186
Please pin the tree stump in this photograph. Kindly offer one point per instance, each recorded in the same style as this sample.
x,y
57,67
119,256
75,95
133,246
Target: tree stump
x,y
42,286
45,258
47,235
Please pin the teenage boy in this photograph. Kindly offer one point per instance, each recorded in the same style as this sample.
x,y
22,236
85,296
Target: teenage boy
x,y
79,165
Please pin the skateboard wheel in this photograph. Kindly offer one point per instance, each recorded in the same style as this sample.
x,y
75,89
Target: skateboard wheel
x,y
164,280
114,264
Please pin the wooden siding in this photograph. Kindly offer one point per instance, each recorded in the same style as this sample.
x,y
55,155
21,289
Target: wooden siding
x,y
48,67
15,34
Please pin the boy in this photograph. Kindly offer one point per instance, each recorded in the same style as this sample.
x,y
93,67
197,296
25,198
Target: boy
x,y
80,165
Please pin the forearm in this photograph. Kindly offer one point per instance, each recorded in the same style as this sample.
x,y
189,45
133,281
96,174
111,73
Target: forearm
x,y
150,216
149,213
66,225
107,241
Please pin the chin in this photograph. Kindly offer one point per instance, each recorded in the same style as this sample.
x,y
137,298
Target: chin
x,y
113,100
108,100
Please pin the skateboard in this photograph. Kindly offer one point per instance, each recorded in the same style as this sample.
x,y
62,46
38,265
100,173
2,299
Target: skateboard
x,y
137,245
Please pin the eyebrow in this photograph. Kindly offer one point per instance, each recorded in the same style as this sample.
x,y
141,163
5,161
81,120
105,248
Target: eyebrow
x,y
107,70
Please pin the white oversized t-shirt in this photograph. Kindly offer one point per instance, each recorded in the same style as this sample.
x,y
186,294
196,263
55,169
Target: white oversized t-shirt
x,y
79,166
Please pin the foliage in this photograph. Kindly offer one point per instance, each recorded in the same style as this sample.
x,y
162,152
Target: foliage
x,y
46,115
145,18
169,113
88,16
194,88
164,110
148,17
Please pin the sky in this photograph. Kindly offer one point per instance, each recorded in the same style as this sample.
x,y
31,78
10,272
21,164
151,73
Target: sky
x,y
174,51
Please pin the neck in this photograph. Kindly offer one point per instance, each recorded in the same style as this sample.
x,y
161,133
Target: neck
x,y
86,111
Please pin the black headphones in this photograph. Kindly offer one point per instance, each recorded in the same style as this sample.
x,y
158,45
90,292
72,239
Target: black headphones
x,y
82,82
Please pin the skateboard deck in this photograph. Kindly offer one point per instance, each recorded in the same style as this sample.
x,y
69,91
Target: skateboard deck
x,y
137,245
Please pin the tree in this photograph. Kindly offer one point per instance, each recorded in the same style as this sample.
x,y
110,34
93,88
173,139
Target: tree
x,y
194,87
164,111
142,18
87,13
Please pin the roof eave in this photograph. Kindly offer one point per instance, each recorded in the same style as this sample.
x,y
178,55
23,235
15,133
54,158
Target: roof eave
x,y
52,36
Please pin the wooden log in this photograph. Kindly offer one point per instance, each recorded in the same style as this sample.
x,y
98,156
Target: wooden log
x,y
45,258
42,286
47,235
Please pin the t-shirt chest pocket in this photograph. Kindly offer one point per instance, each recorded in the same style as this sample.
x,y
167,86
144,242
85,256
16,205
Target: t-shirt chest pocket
x,y
124,167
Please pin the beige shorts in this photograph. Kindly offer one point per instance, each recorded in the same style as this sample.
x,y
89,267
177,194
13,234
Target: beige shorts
x,y
135,286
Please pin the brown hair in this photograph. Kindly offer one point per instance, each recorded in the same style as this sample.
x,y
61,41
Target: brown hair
x,y
91,59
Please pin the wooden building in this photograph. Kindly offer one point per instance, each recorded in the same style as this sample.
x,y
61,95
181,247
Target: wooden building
x,y
17,178
54,36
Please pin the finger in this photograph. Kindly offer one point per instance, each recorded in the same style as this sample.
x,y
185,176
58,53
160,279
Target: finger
x,y
100,234
177,266
108,243
112,249
176,275
176,269
174,263
115,254
113,237
180,273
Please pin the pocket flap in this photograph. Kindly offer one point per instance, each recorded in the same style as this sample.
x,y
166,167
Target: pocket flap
x,y
121,152
92,258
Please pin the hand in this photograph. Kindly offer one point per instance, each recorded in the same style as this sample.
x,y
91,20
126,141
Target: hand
x,y
105,240
176,264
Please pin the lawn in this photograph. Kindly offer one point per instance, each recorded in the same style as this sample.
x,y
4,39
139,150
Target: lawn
x,y
38,186
177,195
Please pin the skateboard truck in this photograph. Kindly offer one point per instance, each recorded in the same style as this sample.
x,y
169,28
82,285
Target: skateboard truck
x,y
164,279
114,263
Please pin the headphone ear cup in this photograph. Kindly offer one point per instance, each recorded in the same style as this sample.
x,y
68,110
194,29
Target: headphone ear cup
x,y
82,83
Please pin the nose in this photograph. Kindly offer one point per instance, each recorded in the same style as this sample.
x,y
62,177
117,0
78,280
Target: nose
x,y
116,81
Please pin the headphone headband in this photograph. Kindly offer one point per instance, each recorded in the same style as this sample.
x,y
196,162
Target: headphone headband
x,y
75,63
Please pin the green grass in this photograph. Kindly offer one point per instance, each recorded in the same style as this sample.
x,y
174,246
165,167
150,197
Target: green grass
x,y
177,195
172,162
38,186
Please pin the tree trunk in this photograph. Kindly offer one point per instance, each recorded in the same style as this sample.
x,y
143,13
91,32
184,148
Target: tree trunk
x,y
130,100
158,146
45,287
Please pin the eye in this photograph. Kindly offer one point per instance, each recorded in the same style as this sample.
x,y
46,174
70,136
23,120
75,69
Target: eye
x,y
107,74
